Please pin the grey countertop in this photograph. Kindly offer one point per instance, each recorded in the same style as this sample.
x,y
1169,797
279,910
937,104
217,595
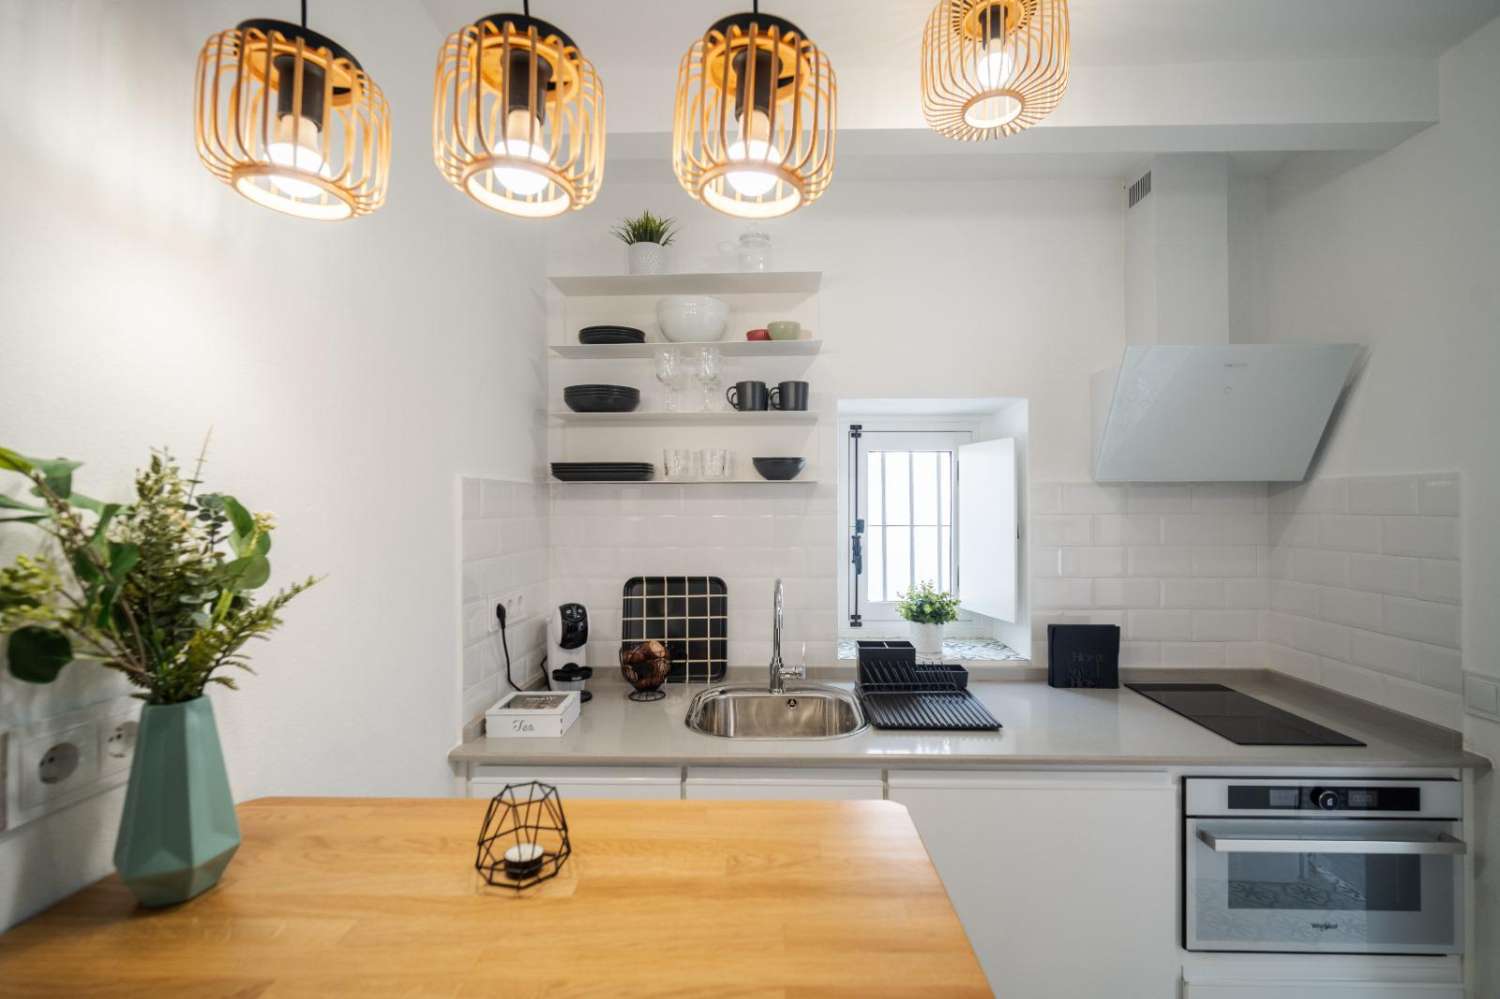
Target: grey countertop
x,y
1041,727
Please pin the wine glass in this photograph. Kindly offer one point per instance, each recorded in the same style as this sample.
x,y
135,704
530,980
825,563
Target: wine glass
x,y
708,378
669,371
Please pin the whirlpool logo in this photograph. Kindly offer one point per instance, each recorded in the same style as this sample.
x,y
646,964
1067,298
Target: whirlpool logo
x,y
1324,926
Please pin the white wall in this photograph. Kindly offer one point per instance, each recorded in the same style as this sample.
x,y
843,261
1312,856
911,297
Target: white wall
x,y
930,290
1399,252
350,372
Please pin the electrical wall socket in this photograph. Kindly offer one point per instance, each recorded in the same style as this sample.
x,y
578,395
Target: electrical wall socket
x,y
515,607
57,764
53,763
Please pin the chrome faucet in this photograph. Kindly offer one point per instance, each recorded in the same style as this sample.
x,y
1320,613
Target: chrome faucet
x,y
779,672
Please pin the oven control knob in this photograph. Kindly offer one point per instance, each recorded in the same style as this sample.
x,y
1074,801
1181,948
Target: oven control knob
x,y
1326,800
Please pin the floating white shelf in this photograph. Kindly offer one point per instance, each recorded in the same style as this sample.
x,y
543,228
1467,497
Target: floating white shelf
x,y
728,348
765,418
693,482
732,283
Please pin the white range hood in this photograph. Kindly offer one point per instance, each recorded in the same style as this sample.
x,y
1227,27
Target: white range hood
x,y
1236,413
1186,404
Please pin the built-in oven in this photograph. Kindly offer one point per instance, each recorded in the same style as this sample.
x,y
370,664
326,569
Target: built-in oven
x,y
1339,866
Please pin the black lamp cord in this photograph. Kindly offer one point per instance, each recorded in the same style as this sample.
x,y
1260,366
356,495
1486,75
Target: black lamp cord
x,y
304,13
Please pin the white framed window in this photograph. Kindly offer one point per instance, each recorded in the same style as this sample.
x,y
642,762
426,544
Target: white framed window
x,y
904,515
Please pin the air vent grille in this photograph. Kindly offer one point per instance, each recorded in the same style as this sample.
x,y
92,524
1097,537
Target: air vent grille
x,y
1140,189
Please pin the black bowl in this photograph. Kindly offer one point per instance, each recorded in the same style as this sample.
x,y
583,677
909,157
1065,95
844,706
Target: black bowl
x,y
779,469
601,398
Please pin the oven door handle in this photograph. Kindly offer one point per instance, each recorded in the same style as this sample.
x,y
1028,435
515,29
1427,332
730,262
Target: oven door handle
x,y
1443,845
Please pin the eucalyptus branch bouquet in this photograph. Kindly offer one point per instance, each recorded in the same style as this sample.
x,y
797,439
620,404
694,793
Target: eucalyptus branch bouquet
x,y
160,589
924,604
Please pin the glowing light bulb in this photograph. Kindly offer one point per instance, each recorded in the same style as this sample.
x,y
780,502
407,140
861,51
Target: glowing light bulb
x,y
994,66
298,146
520,128
753,147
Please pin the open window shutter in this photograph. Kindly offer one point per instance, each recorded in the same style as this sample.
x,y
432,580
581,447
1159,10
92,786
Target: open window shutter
x,y
987,528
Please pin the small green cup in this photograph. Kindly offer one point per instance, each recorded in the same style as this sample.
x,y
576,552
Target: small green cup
x,y
785,329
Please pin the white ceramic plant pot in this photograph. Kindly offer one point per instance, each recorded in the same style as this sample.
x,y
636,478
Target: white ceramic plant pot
x,y
647,258
928,638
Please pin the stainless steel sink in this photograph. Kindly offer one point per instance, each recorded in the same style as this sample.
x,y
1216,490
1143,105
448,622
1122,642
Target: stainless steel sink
x,y
802,711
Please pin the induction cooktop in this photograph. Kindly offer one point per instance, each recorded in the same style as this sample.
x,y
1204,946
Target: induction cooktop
x,y
1240,718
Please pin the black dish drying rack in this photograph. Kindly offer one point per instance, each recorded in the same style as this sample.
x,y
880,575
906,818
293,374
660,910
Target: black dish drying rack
x,y
917,696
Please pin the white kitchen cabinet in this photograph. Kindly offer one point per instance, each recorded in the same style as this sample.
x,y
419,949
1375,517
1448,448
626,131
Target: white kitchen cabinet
x,y
771,784
1321,976
1065,881
639,783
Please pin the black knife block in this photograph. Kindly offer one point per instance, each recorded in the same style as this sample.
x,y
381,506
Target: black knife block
x,y
1083,655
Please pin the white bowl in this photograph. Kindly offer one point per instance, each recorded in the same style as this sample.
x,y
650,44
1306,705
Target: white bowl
x,y
691,318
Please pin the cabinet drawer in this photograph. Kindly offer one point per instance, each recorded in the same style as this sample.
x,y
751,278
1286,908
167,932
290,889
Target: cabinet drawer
x,y
648,783
772,784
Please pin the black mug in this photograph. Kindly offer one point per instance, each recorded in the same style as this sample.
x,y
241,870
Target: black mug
x,y
748,396
789,395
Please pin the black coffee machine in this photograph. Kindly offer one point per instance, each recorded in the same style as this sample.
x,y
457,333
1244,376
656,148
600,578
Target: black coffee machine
x,y
569,638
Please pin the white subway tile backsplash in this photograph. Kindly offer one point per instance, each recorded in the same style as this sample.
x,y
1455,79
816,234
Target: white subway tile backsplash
x,y
1192,654
1312,496
1351,607
1229,497
1439,495
1482,694
1125,593
1320,638
1441,580
1069,529
1226,625
1159,498
481,539
1231,560
1440,707
1394,494
1046,562
1160,561
1093,561
1294,530
1127,529
1046,498
1294,598
1251,594
1315,565
1192,593
1435,537
1056,593
1385,574
1422,621
1160,625
1346,532
1088,497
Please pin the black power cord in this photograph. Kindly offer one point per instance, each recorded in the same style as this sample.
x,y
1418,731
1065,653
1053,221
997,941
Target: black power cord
x,y
500,616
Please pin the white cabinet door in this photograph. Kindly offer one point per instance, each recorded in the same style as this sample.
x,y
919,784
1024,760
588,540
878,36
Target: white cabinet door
x,y
1066,882
768,784
639,783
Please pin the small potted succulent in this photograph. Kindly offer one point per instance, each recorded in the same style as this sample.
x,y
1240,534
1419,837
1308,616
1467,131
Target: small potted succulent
x,y
163,590
928,609
646,238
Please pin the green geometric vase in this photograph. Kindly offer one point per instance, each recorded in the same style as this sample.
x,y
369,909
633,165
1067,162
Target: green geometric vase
x,y
178,831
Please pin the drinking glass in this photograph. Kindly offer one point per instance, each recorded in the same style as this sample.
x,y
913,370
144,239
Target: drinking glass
x,y
669,371
717,462
708,378
680,463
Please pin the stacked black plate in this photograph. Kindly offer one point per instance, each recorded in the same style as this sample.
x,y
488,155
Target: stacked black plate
x,y
603,471
593,335
601,398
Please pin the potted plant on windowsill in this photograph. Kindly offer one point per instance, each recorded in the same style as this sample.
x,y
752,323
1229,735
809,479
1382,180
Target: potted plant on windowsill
x,y
928,609
646,238
160,589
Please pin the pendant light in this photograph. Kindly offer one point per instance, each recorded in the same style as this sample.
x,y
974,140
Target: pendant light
x,y
518,117
993,67
753,131
288,118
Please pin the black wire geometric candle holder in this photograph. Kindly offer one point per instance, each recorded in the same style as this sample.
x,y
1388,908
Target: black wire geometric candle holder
x,y
524,840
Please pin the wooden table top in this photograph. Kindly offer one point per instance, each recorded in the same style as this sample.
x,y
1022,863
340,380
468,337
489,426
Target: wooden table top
x,y
335,896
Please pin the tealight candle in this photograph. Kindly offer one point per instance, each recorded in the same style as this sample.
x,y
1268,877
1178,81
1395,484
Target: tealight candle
x,y
523,860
